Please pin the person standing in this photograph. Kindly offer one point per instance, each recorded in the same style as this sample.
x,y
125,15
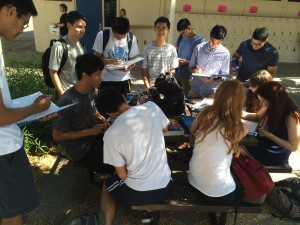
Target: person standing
x,y
190,39
18,195
116,51
210,57
160,57
62,24
257,54
67,77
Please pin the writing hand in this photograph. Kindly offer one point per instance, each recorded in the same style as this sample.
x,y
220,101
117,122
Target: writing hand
x,y
42,103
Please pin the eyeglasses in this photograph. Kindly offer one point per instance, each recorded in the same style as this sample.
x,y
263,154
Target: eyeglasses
x,y
26,24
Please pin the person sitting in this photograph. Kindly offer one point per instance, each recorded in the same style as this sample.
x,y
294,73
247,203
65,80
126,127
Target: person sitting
x,y
217,131
279,127
134,144
256,80
79,128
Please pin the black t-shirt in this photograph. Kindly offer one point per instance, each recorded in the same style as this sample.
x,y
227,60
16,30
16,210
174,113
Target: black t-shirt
x,y
63,19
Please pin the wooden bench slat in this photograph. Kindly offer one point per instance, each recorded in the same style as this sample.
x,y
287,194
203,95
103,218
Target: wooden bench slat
x,y
279,169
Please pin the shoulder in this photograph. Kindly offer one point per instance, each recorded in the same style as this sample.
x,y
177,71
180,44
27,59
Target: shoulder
x,y
170,47
149,46
224,50
271,49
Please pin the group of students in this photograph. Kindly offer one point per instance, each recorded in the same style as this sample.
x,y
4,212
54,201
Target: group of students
x,y
130,147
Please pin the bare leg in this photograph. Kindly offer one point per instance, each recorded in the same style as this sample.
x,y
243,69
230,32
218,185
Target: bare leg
x,y
108,205
17,220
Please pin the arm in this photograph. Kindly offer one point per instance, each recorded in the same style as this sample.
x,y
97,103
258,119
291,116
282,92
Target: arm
x,y
272,70
56,81
145,77
107,61
13,115
254,117
293,128
235,62
121,172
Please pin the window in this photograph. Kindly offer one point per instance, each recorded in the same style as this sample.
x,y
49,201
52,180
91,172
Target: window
x,y
110,12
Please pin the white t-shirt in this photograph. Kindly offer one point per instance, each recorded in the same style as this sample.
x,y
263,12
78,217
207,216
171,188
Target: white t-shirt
x,y
209,169
136,140
115,49
11,137
159,60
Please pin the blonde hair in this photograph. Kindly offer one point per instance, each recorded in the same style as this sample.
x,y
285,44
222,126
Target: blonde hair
x,y
225,115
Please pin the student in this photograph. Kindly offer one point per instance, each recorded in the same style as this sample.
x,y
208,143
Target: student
x,y
62,24
76,24
256,80
138,153
79,129
210,57
257,54
117,51
160,57
18,195
218,130
190,39
279,128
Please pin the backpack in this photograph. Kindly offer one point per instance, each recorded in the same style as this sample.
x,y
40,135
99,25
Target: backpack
x,y
106,34
285,198
85,219
168,95
46,58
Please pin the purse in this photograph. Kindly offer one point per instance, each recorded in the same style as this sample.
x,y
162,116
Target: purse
x,y
252,175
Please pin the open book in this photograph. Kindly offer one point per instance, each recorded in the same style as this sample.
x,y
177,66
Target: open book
x,y
198,75
252,127
28,100
124,65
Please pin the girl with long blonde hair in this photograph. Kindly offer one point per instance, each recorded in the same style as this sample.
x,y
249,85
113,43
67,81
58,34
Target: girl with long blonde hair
x,y
217,131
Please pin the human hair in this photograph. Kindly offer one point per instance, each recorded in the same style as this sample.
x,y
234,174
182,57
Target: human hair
x,y
260,33
123,13
24,7
74,16
256,80
224,115
162,19
109,100
183,24
64,6
280,104
218,32
88,63
120,25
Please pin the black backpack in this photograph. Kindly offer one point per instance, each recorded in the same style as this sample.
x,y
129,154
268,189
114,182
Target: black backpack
x,y
106,34
46,58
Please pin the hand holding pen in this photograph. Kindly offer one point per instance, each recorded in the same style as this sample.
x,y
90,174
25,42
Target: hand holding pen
x,y
42,103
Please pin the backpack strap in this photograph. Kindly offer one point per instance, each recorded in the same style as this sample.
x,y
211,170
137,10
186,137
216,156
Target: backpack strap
x,y
65,53
106,34
83,46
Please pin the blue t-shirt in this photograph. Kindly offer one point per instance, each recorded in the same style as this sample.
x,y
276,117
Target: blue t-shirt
x,y
185,51
255,60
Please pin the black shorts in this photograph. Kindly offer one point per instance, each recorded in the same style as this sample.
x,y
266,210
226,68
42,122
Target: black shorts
x,y
123,86
18,195
127,197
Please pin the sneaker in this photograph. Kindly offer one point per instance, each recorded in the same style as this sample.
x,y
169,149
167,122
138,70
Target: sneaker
x,y
146,216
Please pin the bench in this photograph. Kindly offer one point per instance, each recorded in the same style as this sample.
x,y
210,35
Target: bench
x,y
286,168
175,205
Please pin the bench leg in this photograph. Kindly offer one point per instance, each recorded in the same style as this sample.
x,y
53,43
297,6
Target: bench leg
x,y
216,221
213,217
223,218
156,216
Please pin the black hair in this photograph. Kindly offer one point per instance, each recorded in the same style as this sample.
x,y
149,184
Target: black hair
x,y
64,6
88,63
218,32
74,16
23,7
162,19
260,33
109,100
183,24
120,25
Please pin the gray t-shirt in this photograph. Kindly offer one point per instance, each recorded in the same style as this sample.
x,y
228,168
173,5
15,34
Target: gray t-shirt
x,y
68,75
78,117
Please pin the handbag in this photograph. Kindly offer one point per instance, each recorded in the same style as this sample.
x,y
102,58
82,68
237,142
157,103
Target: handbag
x,y
252,175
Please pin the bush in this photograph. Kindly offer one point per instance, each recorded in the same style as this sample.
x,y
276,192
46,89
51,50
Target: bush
x,y
25,78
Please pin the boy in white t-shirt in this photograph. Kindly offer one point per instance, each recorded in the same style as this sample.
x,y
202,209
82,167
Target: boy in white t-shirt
x,y
134,144
115,52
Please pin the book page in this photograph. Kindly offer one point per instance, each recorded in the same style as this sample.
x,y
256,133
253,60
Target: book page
x,y
124,65
252,126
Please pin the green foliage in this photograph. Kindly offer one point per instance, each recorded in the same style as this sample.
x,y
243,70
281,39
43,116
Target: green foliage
x,y
24,78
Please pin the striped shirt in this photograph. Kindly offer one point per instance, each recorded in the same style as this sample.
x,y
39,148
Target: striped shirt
x,y
210,61
159,60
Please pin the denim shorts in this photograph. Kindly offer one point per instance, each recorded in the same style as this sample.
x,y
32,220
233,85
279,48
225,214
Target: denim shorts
x,y
17,187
